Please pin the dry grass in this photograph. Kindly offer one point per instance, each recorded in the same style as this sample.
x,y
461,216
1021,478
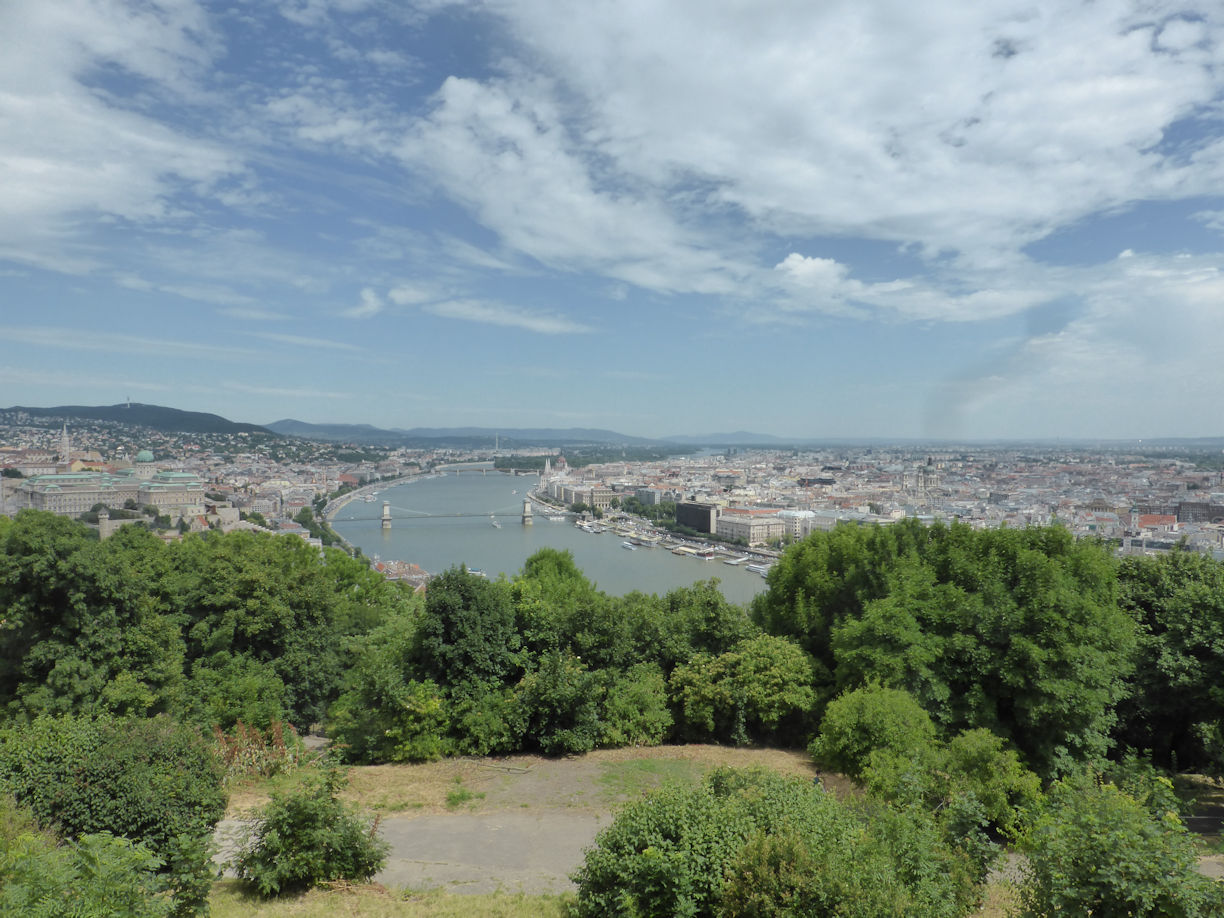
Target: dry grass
x,y
373,901
597,780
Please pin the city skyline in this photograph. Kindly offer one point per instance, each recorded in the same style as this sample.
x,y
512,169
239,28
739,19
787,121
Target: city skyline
x,y
959,221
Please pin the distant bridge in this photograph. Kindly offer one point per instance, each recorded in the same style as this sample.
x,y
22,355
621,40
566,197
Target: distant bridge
x,y
484,470
506,513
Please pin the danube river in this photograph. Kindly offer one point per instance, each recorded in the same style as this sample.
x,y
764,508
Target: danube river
x,y
440,522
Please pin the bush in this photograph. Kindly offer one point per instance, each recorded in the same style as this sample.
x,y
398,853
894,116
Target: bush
x,y
96,876
974,765
560,701
308,837
761,688
867,719
635,707
153,781
1094,850
755,843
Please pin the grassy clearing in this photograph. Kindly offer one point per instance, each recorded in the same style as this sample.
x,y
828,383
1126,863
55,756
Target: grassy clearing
x,y
630,778
599,780
373,901
229,901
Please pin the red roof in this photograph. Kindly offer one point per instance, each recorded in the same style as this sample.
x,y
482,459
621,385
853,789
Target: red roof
x,y
1156,520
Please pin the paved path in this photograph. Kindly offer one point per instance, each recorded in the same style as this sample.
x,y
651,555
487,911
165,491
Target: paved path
x,y
515,851
483,852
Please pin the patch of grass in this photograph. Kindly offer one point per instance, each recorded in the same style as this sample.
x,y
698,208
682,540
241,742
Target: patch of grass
x,y
252,792
459,795
631,778
1000,900
229,900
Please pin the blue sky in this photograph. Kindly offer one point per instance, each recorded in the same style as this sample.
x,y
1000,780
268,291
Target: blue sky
x,y
965,220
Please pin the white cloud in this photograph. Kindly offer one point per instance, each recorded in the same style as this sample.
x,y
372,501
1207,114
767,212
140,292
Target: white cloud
x,y
411,294
504,151
306,341
69,154
253,314
510,317
371,305
281,391
620,142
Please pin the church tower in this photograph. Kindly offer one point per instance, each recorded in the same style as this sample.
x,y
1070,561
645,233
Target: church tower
x,y
65,449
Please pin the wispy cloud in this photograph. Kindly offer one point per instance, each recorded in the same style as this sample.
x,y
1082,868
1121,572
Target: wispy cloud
x,y
118,343
283,391
370,306
305,341
252,314
498,314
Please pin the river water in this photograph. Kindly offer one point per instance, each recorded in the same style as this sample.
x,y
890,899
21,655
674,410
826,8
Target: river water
x,y
440,522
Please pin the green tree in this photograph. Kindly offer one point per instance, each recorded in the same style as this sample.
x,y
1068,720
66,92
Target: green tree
x,y
467,632
635,711
868,720
1175,706
86,626
383,713
1017,631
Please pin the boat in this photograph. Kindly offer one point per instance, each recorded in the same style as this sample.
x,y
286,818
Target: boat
x,y
734,561
706,555
761,569
493,520
369,498
629,545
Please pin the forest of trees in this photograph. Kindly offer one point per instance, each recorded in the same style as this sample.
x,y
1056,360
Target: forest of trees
x,y
978,685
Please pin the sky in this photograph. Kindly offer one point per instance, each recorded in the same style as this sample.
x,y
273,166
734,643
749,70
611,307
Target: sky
x,y
853,218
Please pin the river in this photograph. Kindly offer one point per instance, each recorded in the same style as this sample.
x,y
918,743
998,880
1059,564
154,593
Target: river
x,y
443,521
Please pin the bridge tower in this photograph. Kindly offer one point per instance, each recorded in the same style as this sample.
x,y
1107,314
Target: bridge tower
x,y
386,517
526,513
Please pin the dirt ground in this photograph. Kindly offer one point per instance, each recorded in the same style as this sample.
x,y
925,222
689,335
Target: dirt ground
x,y
522,823
518,823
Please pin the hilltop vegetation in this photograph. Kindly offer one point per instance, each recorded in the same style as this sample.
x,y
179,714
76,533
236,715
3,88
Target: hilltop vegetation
x,y
966,680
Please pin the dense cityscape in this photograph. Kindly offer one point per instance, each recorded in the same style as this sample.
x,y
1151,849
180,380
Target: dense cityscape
x,y
752,497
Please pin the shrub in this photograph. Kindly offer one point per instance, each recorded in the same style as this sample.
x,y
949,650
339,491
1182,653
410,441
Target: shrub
x,y
560,701
635,707
760,688
153,781
867,719
96,876
308,837
974,765
486,722
1095,850
755,843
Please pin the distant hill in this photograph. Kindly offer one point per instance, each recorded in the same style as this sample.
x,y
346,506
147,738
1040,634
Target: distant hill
x,y
737,438
463,436
157,417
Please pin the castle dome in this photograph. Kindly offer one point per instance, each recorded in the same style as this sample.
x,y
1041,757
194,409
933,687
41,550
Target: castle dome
x,y
144,456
